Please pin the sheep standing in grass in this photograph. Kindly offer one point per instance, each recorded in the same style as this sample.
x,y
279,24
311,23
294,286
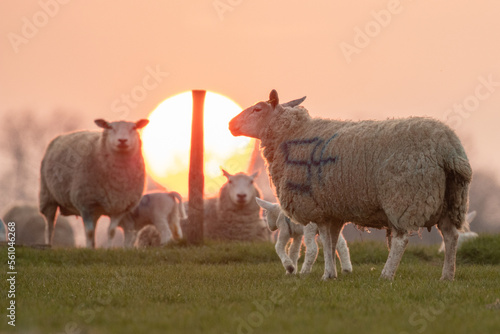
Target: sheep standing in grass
x,y
31,227
234,214
397,174
90,174
464,233
276,220
164,210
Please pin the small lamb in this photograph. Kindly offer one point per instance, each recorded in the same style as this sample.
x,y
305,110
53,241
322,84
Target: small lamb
x,y
234,214
396,174
164,210
148,236
277,220
464,233
91,173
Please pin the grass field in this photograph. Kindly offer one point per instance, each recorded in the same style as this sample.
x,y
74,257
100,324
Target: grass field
x,y
241,288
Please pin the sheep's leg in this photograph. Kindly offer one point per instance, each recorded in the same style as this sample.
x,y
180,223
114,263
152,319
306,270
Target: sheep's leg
x,y
343,254
113,223
326,240
175,228
398,246
280,247
450,237
294,252
89,222
129,231
161,224
50,213
311,248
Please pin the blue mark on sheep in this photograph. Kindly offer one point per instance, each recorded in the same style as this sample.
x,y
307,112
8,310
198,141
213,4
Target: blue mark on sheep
x,y
314,145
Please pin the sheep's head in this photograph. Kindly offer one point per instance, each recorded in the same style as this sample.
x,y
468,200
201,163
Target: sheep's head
x,y
272,212
122,137
240,188
253,120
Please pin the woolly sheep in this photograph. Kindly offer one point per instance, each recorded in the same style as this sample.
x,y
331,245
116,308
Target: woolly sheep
x,y
164,210
277,220
148,236
91,173
397,174
464,233
234,214
31,228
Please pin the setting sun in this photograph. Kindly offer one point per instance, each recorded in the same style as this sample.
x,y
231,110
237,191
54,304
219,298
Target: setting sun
x,y
166,142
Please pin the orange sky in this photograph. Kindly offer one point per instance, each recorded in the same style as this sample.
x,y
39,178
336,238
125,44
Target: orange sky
x,y
412,58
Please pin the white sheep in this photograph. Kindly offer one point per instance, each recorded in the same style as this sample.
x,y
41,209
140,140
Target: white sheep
x,y
91,173
31,227
234,214
276,220
397,174
464,233
164,210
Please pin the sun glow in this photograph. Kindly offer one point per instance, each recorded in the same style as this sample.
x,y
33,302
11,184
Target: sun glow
x,y
167,141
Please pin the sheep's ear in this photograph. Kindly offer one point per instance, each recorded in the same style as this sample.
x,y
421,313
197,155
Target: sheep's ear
x,y
294,103
273,98
141,123
102,123
226,174
254,175
264,204
470,217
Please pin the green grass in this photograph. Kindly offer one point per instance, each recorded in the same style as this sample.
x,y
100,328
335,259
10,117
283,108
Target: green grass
x,y
241,288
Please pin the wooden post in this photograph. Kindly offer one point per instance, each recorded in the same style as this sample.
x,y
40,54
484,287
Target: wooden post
x,y
194,234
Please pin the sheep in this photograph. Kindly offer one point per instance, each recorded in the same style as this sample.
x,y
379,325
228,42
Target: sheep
x,y
464,233
234,214
164,210
31,227
3,231
396,174
92,173
148,236
276,220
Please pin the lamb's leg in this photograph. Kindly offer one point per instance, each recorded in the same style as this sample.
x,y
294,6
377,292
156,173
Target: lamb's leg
x,y
310,231
89,222
294,252
280,247
398,246
161,224
450,237
343,254
50,213
326,240
175,228
113,223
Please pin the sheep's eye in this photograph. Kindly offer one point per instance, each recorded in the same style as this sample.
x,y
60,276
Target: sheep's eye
x,y
257,109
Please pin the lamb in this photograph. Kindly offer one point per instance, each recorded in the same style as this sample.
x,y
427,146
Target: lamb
x,y
148,236
234,214
397,174
164,210
31,228
276,220
464,233
91,173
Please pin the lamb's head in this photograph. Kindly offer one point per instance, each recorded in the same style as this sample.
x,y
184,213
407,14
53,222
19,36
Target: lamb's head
x,y
121,137
252,121
240,188
272,211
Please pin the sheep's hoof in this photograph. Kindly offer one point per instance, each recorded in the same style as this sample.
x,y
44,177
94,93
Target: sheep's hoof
x,y
447,278
327,277
347,271
386,277
290,269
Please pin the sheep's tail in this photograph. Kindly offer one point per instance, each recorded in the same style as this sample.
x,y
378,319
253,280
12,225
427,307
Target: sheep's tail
x,y
458,178
182,210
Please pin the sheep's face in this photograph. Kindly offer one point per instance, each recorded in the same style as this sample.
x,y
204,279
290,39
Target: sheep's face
x,y
272,213
252,121
122,137
240,188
